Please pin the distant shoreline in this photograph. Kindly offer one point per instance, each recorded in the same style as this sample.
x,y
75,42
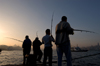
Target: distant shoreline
x,y
11,50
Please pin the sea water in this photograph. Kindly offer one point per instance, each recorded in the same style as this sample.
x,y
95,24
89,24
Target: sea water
x,y
16,57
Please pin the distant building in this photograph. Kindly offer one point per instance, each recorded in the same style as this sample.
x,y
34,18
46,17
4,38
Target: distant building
x,y
93,48
98,44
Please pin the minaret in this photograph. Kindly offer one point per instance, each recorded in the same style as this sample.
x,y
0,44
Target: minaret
x,y
98,44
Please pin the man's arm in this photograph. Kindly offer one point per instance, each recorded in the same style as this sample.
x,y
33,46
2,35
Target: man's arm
x,y
23,44
70,30
42,41
30,44
66,28
52,38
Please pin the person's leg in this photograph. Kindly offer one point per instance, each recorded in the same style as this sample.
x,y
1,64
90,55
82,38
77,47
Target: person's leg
x,y
23,59
50,56
67,51
45,56
26,58
36,54
39,56
59,53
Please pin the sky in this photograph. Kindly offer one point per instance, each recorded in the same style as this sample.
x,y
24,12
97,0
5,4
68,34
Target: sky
x,y
19,18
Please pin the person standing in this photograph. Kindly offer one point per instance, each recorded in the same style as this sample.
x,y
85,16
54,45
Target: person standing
x,y
47,39
36,49
26,48
63,30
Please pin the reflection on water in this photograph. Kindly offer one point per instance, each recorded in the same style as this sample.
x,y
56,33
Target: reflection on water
x,y
16,57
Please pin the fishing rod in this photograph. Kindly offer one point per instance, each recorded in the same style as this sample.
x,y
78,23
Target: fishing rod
x,y
52,22
74,29
14,39
84,30
37,34
58,31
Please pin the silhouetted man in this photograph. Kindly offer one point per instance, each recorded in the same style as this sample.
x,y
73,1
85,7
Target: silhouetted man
x,y
26,48
36,48
47,39
63,29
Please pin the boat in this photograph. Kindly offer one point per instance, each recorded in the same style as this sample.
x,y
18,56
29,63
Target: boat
x,y
77,49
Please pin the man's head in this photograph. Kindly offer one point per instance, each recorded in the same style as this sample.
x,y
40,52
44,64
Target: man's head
x,y
47,31
36,38
27,37
64,18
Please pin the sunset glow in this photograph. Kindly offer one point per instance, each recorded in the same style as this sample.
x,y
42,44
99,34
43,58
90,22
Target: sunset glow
x,y
22,17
